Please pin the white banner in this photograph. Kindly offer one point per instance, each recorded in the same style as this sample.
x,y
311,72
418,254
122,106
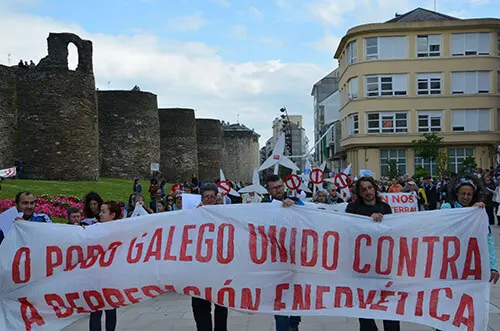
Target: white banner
x,y
430,268
401,202
9,172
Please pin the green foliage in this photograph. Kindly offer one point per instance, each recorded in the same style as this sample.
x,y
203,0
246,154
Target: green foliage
x,y
429,146
393,169
109,189
419,173
468,165
442,161
283,171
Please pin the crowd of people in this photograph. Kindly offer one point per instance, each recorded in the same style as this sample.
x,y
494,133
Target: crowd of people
x,y
476,190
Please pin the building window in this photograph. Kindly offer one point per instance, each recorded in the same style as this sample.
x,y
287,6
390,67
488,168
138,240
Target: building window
x,y
398,155
429,120
498,44
386,85
470,120
465,44
498,81
470,82
429,84
381,48
429,165
353,124
429,46
387,122
352,88
456,157
352,52
498,119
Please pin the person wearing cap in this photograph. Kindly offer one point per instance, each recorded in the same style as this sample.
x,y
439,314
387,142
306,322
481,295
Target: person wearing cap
x,y
431,193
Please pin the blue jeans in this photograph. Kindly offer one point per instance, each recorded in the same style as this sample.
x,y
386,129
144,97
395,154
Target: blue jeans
x,y
285,323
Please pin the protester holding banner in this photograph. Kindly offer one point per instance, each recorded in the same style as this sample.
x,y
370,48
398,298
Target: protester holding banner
x,y
276,190
25,204
110,211
466,192
202,309
370,204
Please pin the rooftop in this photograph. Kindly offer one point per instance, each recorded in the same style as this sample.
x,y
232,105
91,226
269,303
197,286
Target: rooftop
x,y
421,15
236,127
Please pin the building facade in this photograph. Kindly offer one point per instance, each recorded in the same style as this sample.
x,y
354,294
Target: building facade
x,y
419,72
298,140
326,105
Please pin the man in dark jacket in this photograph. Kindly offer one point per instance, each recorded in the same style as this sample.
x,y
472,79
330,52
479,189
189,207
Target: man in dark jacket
x,y
276,191
369,204
430,193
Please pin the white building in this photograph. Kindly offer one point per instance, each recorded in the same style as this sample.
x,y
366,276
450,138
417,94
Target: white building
x,y
327,114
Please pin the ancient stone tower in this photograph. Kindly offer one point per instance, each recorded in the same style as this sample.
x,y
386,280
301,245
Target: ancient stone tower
x,y
8,117
178,146
58,135
210,139
242,155
129,131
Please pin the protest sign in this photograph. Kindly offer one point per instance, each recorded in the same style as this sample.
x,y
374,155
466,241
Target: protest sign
x,y
257,258
401,202
190,201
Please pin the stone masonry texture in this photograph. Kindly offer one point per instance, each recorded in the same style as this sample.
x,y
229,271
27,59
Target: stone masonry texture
x,y
242,155
57,115
129,133
55,121
178,146
210,137
8,117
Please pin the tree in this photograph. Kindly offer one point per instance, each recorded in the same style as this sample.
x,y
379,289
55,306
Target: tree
x,y
393,169
468,165
419,173
428,147
442,161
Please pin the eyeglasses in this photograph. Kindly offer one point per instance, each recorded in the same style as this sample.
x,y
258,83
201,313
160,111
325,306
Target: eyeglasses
x,y
209,198
170,199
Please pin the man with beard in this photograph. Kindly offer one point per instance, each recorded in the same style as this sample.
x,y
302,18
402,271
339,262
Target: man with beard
x,y
370,204
276,191
25,204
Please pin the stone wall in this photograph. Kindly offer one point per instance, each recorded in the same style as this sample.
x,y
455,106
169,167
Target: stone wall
x,y
210,138
178,146
58,136
242,155
129,133
8,117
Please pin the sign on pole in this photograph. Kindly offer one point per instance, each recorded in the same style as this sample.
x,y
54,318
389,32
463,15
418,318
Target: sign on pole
x,y
293,182
317,176
342,180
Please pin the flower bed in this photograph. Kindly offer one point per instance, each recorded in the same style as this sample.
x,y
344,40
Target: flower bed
x,y
55,207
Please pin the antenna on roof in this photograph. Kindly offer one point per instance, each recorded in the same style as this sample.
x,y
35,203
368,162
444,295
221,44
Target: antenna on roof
x,y
435,4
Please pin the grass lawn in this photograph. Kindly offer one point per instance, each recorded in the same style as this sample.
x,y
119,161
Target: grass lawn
x,y
108,189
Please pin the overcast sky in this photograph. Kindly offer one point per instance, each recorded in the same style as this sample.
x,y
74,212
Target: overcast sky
x,y
220,57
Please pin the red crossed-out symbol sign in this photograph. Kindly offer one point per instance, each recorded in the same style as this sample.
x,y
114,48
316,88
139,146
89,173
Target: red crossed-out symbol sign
x,y
225,186
317,176
342,180
292,182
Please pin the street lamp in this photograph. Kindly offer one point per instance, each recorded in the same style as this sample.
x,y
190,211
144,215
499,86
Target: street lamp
x,y
287,129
